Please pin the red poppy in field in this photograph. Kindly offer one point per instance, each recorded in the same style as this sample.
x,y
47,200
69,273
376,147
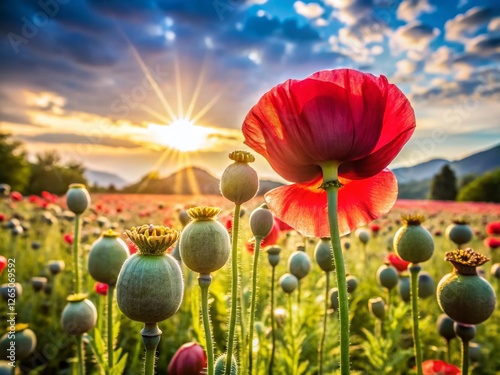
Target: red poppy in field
x,y
493,228
3,218
68,238
284,227
101,288
434,367
3,263
492,242
398,263
16,196
272,237
190,359
132,248
375,228
340,116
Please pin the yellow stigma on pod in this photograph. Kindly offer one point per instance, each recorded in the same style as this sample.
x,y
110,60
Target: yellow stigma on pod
x,y
152,239
242,157
203,213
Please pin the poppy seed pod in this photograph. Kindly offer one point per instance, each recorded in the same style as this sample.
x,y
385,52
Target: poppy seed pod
x,y
204,243
11,290
261,221
404,287
334,298
465,331
184,218
324,255
38,283
362,235
239,182
5,366
352,284
220,365
459,232
106,257
377,307
288,283
25,342
273,255
387,276
79,315
426,285
444,325
495,270
463,295
77,198
299,264
412,242
150,285
56,266
474,351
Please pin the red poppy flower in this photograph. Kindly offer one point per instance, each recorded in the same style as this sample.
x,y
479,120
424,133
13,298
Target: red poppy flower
x,y
284,227
101,288
132,248
16,196
434,367
375,228
492,242
190,359
68,238
272,237
398,263
3,218
344,116
493,228
3,263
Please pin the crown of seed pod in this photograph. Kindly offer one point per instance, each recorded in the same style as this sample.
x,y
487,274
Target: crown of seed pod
x,y
261,221
323,255
106,257
239,182
77,198
24,343
459,232
299,264
273,255
288,283
387,276
204,243
412,241
150,285
79,315
463,295
377,307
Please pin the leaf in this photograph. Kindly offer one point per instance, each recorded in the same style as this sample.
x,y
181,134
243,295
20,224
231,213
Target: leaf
x,y
97,344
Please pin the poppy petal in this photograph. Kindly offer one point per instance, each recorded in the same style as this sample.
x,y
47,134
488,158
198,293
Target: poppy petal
x,y
304,206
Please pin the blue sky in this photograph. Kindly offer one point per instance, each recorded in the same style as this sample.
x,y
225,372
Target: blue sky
x,y
102,81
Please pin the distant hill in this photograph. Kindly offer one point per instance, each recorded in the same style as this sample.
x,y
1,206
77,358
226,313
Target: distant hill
x,y
104,179
414,182
187,181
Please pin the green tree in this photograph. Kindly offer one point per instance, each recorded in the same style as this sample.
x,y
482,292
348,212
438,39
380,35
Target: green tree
x,y
444,185
50,174
15,169
482,189
465,180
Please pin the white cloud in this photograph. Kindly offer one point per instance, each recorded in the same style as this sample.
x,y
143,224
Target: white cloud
x,y
463,26
439,61
484,45
351,11
413,36
406,67
311,10
409,10
494,24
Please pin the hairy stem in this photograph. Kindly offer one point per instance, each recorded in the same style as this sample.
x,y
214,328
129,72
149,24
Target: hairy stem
x,y
253,301
76,256
204,282
273,324
414,270
325,319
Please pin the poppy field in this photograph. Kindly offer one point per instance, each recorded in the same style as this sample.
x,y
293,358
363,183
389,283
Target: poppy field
x,y
38,232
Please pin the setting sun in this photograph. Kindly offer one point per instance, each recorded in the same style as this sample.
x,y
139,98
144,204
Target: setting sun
x,y
181,135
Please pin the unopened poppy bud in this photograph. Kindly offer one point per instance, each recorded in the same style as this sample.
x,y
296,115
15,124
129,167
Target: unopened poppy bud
x,y
445,328
106,257
261,221
25,343
273,255
426,285
362,235
324,255
189,359
204,244
334,299
459,232
239,182
377,307
288,283
412,242
38,283
79,316
220,365
352,284
387,276
299,264
77,198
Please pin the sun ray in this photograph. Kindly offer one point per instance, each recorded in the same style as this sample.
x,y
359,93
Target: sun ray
x,y
155,114
197,91
207,107
178,88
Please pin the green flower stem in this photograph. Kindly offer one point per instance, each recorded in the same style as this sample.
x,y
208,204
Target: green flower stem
x,y
465,357
388,306
234,288
76,256
273,324
151,335
291,333
204,281
331,185
325,319
448,351
79,353
414,270
111,291
255,275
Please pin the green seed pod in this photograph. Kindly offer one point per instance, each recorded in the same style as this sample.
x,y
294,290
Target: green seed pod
x,y
77,198
426,286
387,276
463,295
495,270
299,264
11,290
25,343
239,182
362,235
352,284
474,352
377,307
38,283
459,232
288,283
79,316
334,298
465,332
204,244
106,257
324,255
273,255
261,221
5,367
150,285
184,218
220,365
412,241
56,266
404,287
445,328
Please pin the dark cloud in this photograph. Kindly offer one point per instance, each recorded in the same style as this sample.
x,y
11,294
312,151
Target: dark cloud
x,y
485,45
